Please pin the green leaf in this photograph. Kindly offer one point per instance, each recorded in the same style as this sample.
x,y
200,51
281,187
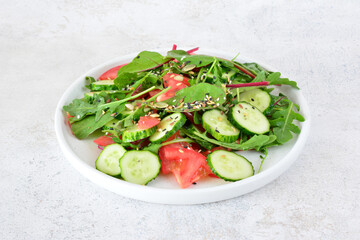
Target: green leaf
x,y
260,77
255,142
89,80
183,57
282,122
125,79
187,97
198,60
88,125
80,108
274,79
189,131
151,80
145,60
177,54
254,67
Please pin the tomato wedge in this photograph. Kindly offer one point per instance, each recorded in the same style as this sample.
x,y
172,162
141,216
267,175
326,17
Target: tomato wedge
x,y
176,82
187,165
104,141
111,74
173,79
147,122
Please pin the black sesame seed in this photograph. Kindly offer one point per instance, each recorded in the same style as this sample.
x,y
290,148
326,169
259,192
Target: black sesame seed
x,y
217,131
214,77
113,123
166,132
253,108
138,56
238,111
252,100
194,183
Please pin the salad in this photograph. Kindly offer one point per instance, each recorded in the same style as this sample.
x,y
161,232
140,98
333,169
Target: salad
x,y
184,114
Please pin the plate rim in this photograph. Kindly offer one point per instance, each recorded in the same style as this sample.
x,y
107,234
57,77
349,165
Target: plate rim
x,y
181,195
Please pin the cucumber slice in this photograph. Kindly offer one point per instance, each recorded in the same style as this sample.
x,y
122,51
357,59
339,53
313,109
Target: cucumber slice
x,y
108,160
219,127
133,133
112,94
139,167
167,127
229,166
248,118
258,98
103,85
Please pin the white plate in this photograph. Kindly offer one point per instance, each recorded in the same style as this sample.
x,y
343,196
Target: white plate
x,y
164,189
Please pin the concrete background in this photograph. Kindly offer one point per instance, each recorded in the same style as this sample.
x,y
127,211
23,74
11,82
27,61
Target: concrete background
x,y
45,45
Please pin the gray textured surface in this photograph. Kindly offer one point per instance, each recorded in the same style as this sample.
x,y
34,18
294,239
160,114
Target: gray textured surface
x,y
45,45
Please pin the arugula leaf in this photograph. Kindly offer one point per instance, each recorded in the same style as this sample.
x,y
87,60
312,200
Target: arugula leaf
x,y
91,80
284,81
88,125
255,142
282,122
265,152
80,108
274,79
187,96
145,60
254,67
189,131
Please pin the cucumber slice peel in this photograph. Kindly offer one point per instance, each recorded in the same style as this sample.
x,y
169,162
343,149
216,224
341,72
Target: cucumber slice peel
x,y
229,166
133,133
217,124
167,127
108,160
103,85
139,167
